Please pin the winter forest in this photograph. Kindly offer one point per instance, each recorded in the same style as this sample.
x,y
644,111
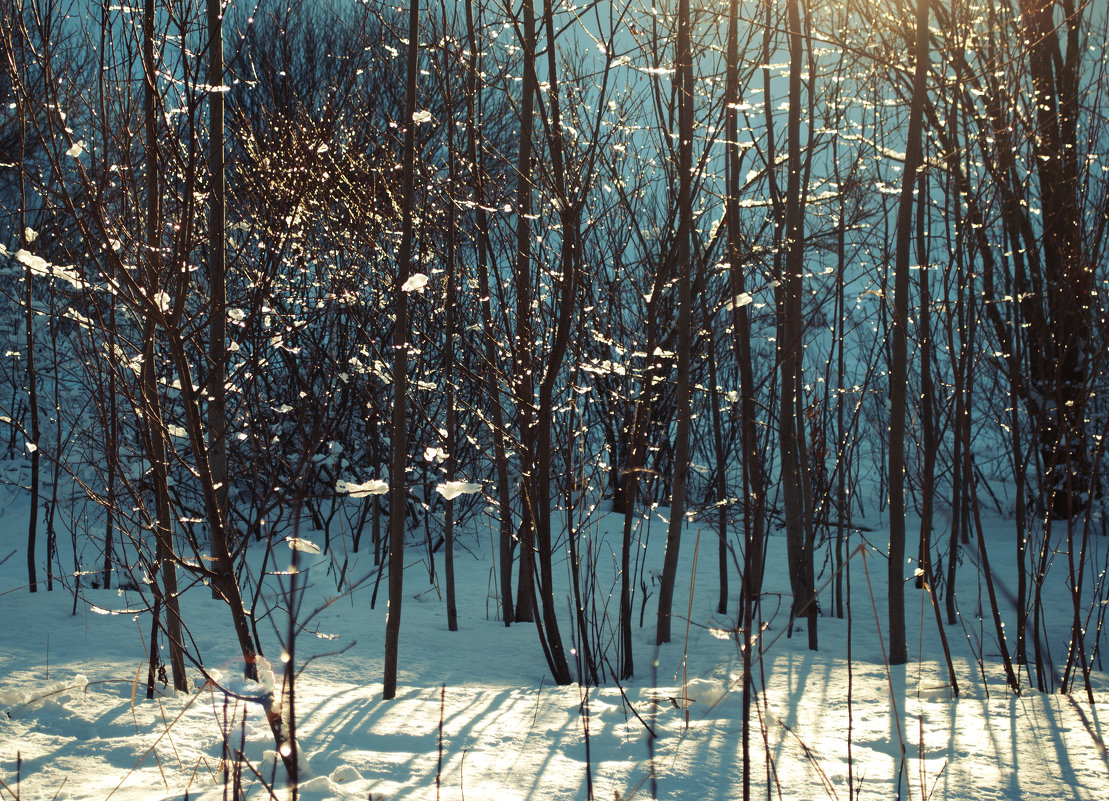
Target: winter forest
x,y
561,399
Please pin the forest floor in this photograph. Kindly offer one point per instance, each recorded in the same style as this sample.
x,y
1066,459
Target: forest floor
x,y
477,716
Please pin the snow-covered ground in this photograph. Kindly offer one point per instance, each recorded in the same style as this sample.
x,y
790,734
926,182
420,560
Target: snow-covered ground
x,y
477,717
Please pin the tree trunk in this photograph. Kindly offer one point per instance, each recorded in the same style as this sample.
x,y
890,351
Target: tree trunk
x,y
450,334
216,383
153,423
524,342
566,290
32,375
721,467
1068,277
791,434
484,258
398,430
898,652
165,558
684,73
750,587
111,441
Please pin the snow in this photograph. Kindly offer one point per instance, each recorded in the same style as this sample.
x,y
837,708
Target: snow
x,y
477,716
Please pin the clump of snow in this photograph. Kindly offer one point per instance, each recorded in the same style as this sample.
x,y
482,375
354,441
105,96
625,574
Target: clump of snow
x,y
270,760
16,703
452,489
415,283
375,486
742,299
344,774
301,544
260,691
707,694
41,267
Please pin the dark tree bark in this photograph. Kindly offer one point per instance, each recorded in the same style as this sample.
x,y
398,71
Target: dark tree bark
x,y
165,564
634,467
928,425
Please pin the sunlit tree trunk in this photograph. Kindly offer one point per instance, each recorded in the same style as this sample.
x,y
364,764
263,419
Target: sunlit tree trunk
x,y
523,344
684,73
898,651
790,345
216,382
484,258
398,429
152,408
565,291
31,372
720,477
752,491
451,331
1055,52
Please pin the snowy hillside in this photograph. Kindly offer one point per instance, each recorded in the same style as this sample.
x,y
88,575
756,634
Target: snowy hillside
x,y
477,717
